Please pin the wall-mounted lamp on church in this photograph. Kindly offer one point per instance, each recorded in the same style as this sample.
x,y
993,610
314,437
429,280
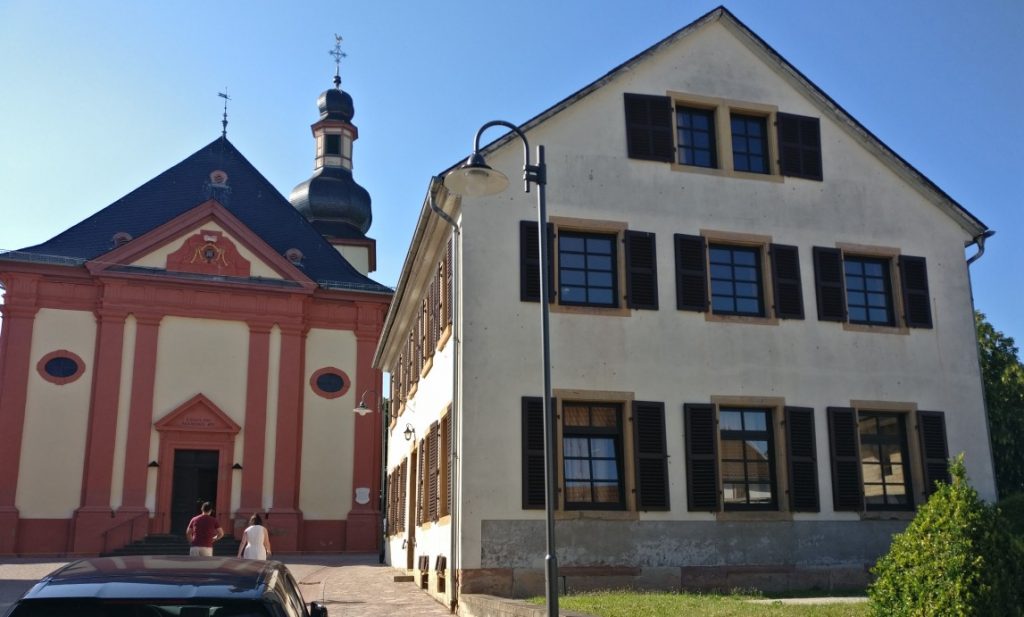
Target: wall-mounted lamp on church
x,y
153,465
409,432
361,408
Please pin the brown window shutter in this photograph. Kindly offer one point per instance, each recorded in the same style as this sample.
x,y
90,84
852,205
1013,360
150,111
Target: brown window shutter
x,y
917,302
403,478
691,273
424,462
433,472
931,427
401,379
435,314
803,460
789,297
529,262
830,284
799,146
847,493
651,456
649,127
413,353
533,453
701,457
446,451
448,289
641,270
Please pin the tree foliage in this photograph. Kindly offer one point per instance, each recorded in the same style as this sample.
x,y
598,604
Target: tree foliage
x,y
955,559
1003,376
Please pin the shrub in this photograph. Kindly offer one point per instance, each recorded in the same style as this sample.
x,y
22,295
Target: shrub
x,y
1013,513
956,558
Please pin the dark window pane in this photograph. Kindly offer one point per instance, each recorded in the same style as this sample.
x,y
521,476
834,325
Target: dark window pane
x,y
330,382
723,305
750,150
874,307
574,278
735,280
587,269
572,260
61,367
695,129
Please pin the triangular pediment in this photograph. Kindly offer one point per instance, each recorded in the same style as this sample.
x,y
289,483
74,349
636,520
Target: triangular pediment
x,y
206,241
198,414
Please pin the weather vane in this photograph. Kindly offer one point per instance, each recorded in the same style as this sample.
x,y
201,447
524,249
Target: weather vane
x,y
224,122
338,55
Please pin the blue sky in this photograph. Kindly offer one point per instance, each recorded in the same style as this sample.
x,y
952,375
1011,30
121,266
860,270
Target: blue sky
x,y
98,97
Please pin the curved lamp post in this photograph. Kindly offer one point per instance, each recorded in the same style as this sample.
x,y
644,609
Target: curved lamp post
x,y
475,178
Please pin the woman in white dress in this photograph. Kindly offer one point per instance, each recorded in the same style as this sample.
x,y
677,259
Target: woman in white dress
x,y
255,542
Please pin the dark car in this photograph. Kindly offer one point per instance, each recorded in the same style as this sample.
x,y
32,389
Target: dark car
x,y
166,586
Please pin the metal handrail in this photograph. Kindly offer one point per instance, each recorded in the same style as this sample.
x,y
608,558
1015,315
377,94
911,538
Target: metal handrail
x,y
131,532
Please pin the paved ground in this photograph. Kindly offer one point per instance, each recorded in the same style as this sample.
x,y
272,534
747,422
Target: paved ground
x,y
350,585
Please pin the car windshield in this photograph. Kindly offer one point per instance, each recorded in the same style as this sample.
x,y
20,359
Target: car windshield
x,y
136,608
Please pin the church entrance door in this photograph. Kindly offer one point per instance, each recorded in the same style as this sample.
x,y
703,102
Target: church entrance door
x,y
194,481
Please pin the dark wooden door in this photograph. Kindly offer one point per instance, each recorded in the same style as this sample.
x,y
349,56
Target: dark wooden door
x,y
195,481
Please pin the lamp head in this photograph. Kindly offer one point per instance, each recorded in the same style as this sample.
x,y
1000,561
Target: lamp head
x,y
475,178
409,432
362,409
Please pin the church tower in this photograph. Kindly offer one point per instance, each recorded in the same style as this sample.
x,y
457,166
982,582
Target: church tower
x,y
331,199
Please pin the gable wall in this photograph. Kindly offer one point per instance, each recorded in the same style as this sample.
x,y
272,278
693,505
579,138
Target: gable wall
x,y
158,258
674,356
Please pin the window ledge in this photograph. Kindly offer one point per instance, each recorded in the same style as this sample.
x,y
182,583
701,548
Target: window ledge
x,y
747,319
597,515
590,310
427,365
857,327
753,515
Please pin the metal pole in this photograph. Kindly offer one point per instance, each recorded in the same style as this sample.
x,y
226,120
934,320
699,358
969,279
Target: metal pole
x,y
550,473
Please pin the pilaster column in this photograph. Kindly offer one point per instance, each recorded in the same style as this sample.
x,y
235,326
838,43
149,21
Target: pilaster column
x,y
286,519
257,377
363,525
92,518
19,311
140,414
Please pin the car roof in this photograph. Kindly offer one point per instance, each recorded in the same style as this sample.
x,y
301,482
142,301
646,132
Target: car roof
x,y
159,577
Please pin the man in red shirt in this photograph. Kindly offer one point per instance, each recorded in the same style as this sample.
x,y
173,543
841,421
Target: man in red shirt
x,y
203,530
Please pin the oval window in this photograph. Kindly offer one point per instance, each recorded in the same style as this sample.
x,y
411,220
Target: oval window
x,y
330,382
60,367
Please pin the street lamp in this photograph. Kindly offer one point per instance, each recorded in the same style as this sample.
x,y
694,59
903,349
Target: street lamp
x,y
474,178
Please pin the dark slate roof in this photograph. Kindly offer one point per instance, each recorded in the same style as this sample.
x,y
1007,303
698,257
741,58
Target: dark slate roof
x,y
250,197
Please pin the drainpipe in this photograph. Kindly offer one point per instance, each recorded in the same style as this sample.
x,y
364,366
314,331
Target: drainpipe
x,y
979,241
453,465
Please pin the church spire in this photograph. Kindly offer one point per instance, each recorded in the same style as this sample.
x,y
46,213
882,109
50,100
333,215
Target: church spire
x,y
331,199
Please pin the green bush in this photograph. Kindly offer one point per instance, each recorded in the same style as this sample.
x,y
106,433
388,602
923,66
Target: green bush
x,y
955,559
1013,513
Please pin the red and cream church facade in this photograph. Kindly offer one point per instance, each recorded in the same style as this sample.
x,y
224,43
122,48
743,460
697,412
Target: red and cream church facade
x,y
201,339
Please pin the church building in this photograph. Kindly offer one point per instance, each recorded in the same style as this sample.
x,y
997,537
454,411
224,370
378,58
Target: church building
x,y
202,338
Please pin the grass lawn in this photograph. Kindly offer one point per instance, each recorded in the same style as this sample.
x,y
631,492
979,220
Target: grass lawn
x,y
633,604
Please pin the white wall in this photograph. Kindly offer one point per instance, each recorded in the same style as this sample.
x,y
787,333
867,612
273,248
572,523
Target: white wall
x,y
675,356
